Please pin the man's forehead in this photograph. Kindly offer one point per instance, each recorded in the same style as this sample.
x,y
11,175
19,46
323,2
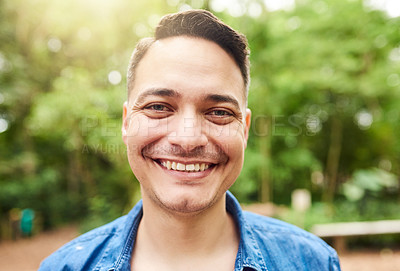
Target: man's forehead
x,y
190,49
194,63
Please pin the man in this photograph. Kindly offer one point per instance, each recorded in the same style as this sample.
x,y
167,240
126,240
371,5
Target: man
x,y
185,126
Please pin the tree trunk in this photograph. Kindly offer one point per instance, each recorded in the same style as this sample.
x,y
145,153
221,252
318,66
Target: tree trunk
x,y
332,163
265,150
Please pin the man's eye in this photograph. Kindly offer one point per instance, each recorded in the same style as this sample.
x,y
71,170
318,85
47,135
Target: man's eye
x,y
220,113
157,107
220,116
157,110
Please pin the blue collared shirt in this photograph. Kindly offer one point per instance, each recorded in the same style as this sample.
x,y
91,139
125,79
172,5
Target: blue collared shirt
x,y
265,244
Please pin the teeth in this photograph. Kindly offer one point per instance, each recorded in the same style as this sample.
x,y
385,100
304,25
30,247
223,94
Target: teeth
x,y
180,167
183,167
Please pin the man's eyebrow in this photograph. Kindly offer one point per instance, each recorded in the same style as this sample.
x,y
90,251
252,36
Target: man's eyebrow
x,y
223,98
162,92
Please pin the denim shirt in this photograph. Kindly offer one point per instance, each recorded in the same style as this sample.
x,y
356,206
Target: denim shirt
x,y
265,244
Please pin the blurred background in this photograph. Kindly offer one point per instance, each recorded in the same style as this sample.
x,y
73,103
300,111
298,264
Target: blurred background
x,y
325,97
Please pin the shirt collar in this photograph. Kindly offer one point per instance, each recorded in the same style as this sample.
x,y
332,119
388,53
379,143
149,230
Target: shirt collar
x,y
128,232
249,253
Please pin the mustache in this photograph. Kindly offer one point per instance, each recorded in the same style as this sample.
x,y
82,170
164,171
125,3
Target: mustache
x,y
213,153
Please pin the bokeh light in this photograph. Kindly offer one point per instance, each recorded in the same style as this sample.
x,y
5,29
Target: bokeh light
x,y
54,44
3,125
364,120
114,77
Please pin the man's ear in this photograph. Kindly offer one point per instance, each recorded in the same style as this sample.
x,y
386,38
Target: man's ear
x,y
247,125
125,123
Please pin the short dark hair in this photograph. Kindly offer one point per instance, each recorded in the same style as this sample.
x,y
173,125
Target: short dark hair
x,y
201,24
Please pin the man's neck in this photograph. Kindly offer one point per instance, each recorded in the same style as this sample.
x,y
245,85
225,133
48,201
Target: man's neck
x,y
184,239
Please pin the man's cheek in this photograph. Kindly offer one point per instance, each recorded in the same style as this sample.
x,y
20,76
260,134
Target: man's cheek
x,y
144,127
133,149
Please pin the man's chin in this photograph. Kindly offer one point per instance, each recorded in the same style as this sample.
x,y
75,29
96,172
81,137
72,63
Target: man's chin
x,y
185,205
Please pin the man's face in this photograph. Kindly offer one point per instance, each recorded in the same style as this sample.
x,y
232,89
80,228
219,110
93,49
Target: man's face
x,y
186,124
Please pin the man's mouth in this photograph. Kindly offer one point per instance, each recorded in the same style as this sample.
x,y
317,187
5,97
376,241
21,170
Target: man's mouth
x,y
179,166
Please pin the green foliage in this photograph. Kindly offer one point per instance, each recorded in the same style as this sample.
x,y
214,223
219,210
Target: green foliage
x,y
371,209
321,81
371,180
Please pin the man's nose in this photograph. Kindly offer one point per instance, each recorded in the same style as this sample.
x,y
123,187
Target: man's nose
x,y
187,132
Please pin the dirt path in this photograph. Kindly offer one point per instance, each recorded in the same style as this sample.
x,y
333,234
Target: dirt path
x,y
384,260
26,254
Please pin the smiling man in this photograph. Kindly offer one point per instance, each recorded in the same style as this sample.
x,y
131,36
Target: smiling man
x,y
185,126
